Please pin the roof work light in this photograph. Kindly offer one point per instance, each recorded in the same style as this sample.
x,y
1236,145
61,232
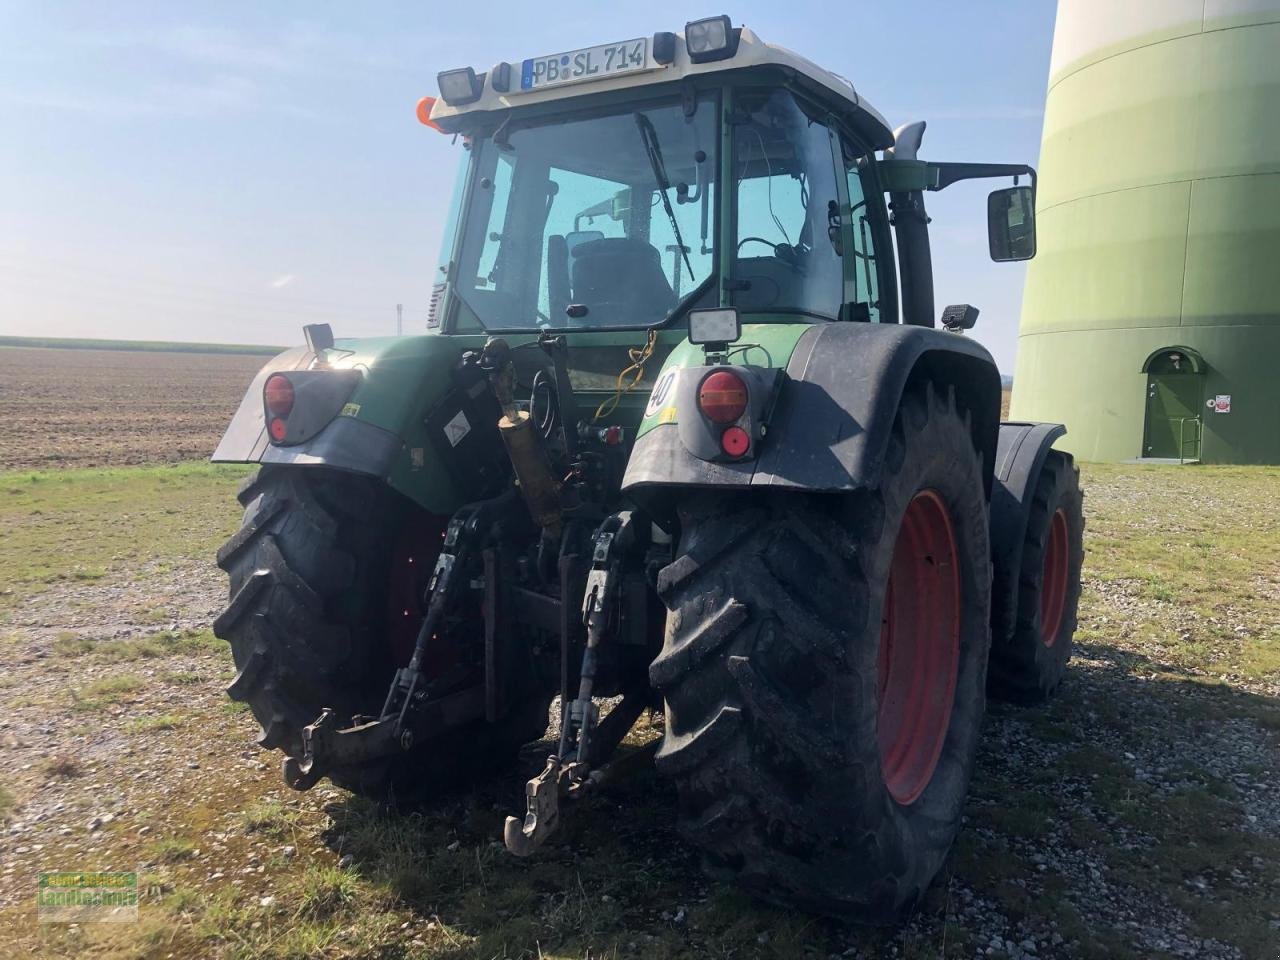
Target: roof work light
x,y
460,86
711,39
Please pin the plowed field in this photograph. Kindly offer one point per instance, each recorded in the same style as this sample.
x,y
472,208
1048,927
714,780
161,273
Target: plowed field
x,y
81,408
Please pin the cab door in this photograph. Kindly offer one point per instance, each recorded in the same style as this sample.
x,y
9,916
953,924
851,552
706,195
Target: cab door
x,y
869,270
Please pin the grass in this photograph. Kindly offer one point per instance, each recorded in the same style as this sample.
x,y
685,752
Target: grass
x,y
146,346
7,803
156,646
80,525
1182,576
101,694
171,850
1204,567
165,721
271,818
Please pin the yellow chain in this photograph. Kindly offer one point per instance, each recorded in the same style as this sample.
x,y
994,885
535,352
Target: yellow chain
x,y
639,357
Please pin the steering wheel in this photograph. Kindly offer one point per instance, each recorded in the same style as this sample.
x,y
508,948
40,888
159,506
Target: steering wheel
x,y
745,240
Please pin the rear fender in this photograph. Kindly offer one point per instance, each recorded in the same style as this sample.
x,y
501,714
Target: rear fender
x,y
1021,450
383,428
830,428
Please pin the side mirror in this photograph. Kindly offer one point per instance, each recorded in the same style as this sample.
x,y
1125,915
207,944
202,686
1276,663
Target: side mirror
x,y
1011,224
575,238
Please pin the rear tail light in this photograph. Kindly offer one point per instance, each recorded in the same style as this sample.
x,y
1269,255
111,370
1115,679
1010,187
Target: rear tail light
x,y
722,397
278,429
735,441
277,394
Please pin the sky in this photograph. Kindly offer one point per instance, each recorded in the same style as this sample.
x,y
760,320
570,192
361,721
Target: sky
x,y
231,171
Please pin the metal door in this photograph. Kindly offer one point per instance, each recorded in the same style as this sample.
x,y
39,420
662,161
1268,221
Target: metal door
x,y
1173,415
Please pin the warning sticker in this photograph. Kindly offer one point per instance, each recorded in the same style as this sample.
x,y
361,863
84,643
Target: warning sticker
x,y
661,390
1222,403
457,428
350,409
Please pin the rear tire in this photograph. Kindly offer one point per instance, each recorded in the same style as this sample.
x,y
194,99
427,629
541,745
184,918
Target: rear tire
x,y
777,697
308,626
1029,667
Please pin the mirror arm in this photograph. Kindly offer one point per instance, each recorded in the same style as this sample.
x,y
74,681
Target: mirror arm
x,y
949,173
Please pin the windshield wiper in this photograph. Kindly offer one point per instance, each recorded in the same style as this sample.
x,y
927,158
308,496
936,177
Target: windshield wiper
x,y
654,152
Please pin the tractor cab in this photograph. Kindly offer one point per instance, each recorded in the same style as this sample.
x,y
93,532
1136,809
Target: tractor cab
x,y
619,187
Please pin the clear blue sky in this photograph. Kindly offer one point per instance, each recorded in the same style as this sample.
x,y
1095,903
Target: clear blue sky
x,y
231,171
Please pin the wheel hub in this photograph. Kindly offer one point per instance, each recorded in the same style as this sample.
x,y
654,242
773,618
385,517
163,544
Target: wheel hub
x,y
919,654
1053,584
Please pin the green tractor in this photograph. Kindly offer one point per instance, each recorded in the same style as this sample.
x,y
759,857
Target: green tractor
x,y
682,433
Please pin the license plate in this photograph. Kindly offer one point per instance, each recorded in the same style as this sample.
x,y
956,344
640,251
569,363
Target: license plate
x,y
589,63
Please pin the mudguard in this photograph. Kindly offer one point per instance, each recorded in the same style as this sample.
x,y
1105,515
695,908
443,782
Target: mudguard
x,y
343,443
384,428
830,427
1021,449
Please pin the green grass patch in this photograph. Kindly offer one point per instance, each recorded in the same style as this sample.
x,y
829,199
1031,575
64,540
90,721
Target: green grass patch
x,y
7,803
69,525
271,818
164,721
325,892
167,644
171,850
1198,549
103,693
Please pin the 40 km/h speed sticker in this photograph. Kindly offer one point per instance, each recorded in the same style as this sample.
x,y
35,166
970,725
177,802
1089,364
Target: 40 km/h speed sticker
x,y
661,391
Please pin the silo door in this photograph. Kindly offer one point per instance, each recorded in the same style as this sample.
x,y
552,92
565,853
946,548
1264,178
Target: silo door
x,y
1174,405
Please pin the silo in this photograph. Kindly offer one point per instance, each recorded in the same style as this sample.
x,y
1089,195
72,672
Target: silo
x,y
1151,315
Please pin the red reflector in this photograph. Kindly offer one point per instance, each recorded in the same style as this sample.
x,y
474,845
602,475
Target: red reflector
x,y
722,397
735,441
278,428
278,395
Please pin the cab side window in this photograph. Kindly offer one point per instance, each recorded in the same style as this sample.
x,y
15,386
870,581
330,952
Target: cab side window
x,y
788,256
864,225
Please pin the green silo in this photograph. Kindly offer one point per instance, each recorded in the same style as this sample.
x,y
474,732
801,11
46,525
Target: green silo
x,y
1151,315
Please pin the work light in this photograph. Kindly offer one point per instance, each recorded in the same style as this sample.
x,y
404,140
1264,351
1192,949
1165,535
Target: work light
x,y
714,326
459,86
711,39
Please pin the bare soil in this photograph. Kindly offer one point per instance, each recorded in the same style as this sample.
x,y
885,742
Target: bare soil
x,y
84,408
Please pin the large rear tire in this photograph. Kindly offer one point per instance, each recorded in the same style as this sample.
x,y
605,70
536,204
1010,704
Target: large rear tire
x,y
311,625
824,671
1029,667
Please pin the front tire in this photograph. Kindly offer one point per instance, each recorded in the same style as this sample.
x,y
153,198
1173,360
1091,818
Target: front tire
x,y
1029,667
815,765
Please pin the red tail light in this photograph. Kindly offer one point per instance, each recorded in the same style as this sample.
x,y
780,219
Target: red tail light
x,y
278,429
722,397
278,395
735,441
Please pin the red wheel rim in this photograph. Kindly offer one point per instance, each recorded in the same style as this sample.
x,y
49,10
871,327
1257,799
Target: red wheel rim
x,y
1053,585
919,655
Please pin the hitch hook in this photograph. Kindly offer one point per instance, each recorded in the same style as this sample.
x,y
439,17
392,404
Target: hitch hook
x,y
303,773
542,811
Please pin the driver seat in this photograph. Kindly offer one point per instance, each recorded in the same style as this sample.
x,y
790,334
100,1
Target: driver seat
x,y
622,278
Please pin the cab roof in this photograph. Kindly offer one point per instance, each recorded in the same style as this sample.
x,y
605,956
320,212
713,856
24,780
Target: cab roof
x,y
752,52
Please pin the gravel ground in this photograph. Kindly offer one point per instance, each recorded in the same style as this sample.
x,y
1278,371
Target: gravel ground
x,y
1136,816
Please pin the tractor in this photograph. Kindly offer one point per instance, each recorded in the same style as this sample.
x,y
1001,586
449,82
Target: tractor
x,y
682,433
